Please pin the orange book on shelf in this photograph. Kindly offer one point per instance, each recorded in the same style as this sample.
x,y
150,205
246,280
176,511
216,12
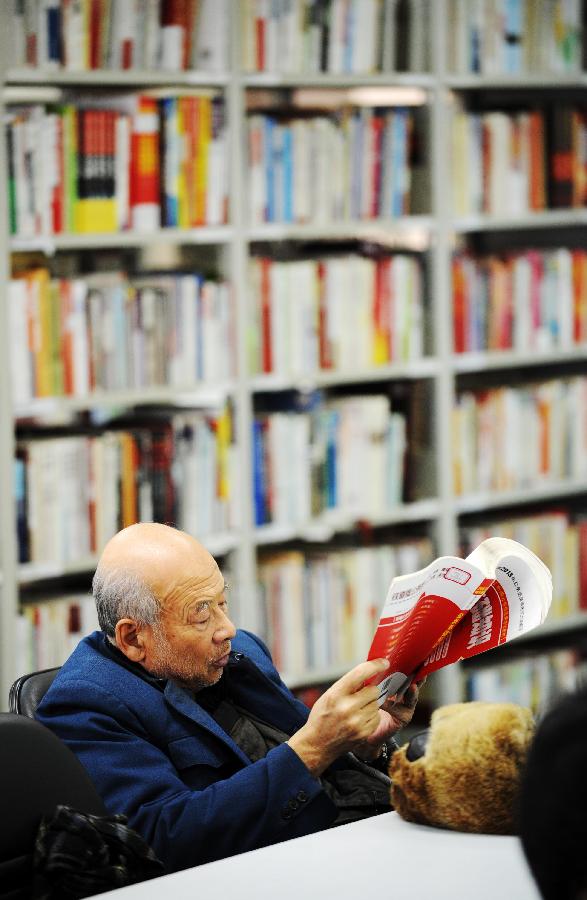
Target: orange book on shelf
x,y
38,280
128,481
579,264
537,162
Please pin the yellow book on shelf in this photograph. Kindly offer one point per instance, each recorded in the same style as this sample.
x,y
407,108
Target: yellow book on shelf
x,y
96,215
39,286
223,435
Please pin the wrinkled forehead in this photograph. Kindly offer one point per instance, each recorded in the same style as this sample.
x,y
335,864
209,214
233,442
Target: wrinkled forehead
x,y
195,579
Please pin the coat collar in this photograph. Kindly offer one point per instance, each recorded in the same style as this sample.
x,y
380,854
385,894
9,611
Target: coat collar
x,y
178,698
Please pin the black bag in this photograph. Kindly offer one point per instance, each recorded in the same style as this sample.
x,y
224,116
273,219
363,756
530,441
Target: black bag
x,y
77,855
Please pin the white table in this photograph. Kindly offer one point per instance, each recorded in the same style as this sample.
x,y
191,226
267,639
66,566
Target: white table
x,y
382,857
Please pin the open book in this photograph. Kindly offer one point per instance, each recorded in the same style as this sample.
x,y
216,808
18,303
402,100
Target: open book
x,y
456,608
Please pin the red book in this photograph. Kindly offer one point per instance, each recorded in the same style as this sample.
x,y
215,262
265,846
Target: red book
x,y
144,188
95,22
57,196
458,305
324,346
377,125
260,26
66,336
266,350
582,532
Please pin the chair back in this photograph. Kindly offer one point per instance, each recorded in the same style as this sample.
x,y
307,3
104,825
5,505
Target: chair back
x,y
27,691
38,772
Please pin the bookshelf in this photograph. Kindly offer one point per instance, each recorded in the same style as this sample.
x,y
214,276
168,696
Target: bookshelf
x,y
428,231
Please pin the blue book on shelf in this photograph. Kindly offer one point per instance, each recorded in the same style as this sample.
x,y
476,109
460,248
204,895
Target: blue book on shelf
x,y
21,517
53,22
333,422
399,161
259,480
512,38
170,140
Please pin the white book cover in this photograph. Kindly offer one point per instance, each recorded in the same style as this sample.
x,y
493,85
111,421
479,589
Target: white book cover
x,y
21,364
210,45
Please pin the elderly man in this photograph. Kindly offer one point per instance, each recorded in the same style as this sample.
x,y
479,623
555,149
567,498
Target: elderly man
x,y
185,725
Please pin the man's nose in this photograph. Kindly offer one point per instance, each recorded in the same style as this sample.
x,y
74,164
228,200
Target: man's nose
x,y
225,630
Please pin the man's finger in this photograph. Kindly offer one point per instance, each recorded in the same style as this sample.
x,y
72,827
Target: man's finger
x,y
354,680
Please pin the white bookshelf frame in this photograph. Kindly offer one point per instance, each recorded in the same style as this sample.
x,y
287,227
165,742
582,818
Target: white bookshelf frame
x,y
435,232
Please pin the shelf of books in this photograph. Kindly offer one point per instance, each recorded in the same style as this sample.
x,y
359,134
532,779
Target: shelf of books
x,y
308,284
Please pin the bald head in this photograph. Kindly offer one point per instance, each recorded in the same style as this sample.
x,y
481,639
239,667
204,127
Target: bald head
x,y
139,568
154,553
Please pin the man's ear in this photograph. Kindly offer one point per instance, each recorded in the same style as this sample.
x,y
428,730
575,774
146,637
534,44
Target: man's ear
x,y
130,639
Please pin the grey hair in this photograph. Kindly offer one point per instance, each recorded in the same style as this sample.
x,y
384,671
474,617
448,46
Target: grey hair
x,y
120,594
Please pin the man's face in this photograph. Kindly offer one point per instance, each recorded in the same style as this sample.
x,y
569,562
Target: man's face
x,y
191,641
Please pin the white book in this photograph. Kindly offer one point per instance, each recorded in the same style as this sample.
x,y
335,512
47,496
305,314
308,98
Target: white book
x,y
280,277
210,44
564,296
21,365
122,130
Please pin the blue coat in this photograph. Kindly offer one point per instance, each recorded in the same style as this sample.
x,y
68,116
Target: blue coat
x,y
155,755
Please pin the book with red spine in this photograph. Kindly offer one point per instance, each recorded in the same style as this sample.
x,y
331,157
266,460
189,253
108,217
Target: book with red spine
x,y
144,187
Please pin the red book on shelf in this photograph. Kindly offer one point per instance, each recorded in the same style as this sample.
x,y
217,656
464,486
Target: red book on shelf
x,y
537,162
561,158
57,194
95,33
459,303
381,312
582,532
144,166
324,346
260,29
266,324
66,335
377,125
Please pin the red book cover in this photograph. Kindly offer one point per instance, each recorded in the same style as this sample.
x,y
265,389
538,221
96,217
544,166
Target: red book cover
x,y
57,196
458,304
324,345
561,158
582,531
381,311
456,608
66,311
377,125
260,26
95,35
144,163
266,324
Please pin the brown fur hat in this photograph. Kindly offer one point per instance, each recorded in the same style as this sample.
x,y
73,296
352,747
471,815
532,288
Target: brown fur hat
x,y
468,777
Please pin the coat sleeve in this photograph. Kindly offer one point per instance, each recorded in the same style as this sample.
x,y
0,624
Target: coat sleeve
x,y
268,801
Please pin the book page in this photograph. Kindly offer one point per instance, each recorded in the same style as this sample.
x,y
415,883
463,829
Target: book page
x,y
512,605
419,609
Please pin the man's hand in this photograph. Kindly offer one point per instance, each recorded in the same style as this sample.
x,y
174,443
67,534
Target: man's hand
x,y
343,718
394,716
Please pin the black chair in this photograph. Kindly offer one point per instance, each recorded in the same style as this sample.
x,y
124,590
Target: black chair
x,y
27,691
38,772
